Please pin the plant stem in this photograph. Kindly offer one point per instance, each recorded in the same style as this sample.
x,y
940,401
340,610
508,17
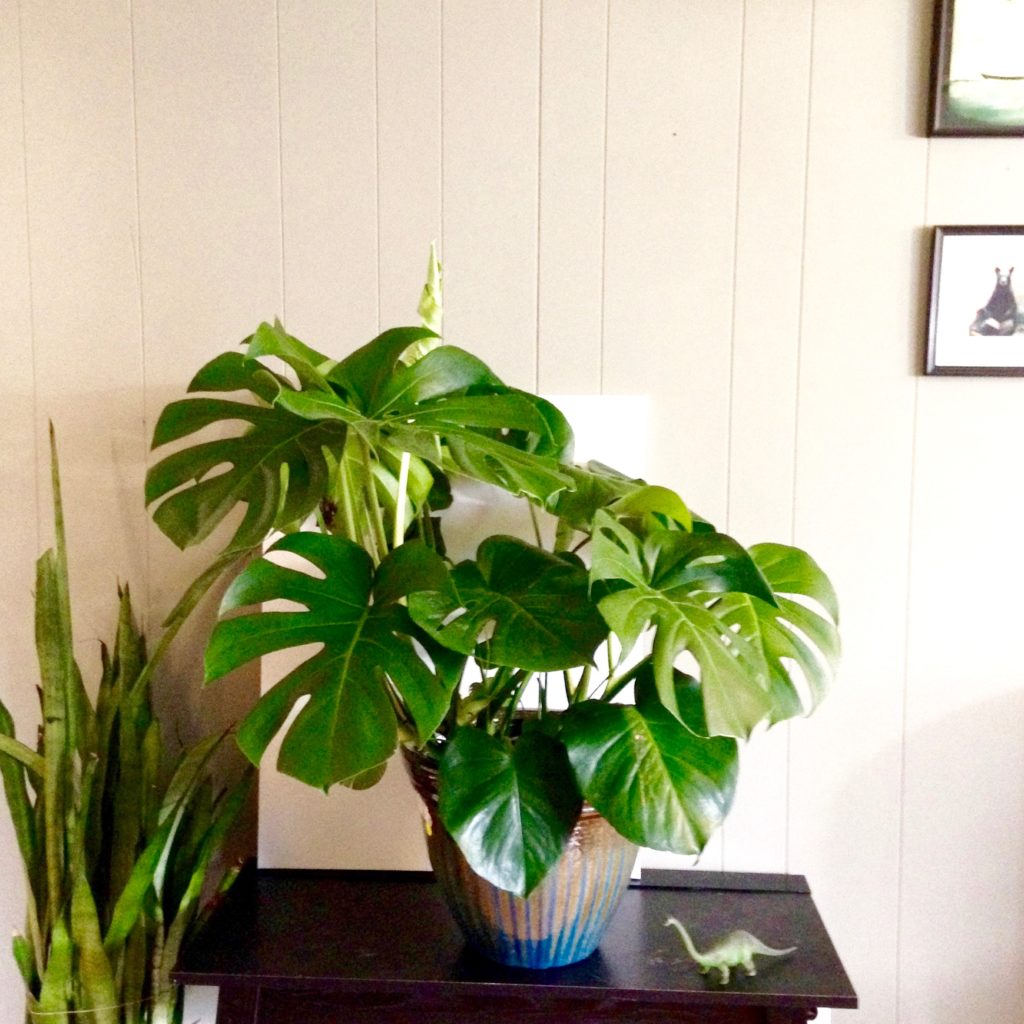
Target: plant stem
x,y
583,686
347,511
376,514
536,524
513,702
403,487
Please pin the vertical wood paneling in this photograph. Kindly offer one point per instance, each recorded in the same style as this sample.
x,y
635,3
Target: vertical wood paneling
x,y
329,171
571,240
490,55
82,216
766,351
211,253
299,826
964,698
673,125
408,150
673,115
963,827
855,428
757,189
19,539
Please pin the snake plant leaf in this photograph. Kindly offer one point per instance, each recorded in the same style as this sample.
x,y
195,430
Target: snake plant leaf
x,y
533,607
150,869
24,959
658,782
56,988
14,758
224,815
510,807
798,640
349,724
276,467
94,972
667,581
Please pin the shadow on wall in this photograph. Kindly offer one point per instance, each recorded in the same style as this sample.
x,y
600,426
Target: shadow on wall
x,y
962,913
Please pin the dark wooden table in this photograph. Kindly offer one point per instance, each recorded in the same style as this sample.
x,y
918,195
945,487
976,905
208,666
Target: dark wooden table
x,y
354,947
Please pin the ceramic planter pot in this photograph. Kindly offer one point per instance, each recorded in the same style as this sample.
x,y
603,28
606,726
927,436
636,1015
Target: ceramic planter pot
x,y
562,920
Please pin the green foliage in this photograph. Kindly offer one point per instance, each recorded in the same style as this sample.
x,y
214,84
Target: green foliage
x,y
115,857
575,686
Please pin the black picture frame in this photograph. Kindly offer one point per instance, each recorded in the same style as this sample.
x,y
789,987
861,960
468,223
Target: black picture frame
x,y
977,72
969,335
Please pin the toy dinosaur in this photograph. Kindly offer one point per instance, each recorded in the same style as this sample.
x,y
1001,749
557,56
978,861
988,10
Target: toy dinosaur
x,y
736,949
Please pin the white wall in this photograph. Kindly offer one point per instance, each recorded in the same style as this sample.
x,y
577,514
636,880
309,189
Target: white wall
x,y
718,203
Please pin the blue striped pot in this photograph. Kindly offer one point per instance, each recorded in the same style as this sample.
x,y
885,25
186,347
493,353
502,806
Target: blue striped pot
x,y
562,920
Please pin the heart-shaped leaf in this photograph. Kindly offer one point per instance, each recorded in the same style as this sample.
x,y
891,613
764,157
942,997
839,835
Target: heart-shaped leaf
x,y
516,605
509,806
349,726
658,782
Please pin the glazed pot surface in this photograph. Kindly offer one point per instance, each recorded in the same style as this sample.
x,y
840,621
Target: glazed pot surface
x,y
562,920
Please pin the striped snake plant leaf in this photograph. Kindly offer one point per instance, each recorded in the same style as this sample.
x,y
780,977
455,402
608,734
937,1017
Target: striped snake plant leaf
x,y
93,969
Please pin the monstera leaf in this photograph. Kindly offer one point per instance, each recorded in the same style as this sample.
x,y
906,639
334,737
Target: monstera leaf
x,y
790,634
447,408
597,487
276,466
667,580
659,782
509,806
515,605
348,727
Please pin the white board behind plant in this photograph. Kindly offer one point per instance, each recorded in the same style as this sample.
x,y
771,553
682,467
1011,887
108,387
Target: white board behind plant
x,y
300,827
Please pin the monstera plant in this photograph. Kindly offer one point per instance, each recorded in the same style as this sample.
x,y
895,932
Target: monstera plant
x,y
616,657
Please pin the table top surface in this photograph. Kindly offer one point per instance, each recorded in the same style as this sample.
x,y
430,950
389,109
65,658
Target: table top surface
x,y
391,931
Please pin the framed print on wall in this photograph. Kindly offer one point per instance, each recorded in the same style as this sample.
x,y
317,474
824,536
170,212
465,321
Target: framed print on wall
x,y
978,68
975,325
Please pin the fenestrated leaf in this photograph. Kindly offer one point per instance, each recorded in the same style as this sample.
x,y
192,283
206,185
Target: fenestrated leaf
x,y
790,634
308,364
534,607
348,726
232,371
651,498
667,582
276,467
594,487
444,371
459,433
363,374
658,783
510,807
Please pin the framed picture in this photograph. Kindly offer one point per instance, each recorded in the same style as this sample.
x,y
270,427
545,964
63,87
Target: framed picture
x,y
975,325
978,68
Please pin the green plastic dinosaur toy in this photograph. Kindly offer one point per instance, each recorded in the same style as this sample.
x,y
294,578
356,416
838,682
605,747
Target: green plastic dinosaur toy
x,y
736,949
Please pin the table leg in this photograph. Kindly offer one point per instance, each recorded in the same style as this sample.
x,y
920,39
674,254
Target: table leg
x,y
237,1005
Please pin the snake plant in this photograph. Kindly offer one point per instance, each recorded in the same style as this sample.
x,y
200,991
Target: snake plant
x,y
116,844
